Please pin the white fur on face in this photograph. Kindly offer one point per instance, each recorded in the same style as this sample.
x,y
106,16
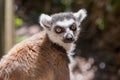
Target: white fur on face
x,y
68,31
65,22
58,39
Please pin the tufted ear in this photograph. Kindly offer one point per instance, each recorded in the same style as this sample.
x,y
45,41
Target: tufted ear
x,y
80,15
45,21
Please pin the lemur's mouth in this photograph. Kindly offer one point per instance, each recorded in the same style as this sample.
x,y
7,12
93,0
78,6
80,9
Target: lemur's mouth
x,y
68,40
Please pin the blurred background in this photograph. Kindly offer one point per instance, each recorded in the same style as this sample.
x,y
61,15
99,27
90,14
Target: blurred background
x,y
98,46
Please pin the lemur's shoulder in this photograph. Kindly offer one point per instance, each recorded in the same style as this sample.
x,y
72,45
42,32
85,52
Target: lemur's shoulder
x,y
25,48
34,40
22,54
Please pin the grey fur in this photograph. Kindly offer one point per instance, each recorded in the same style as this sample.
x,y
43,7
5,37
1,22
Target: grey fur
x,y
62,16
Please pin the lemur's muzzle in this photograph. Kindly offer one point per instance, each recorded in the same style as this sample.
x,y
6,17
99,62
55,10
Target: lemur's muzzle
x,y
68,38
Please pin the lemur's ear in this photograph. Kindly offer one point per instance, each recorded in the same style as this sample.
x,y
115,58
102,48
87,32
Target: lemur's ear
x,y
45,20
80,15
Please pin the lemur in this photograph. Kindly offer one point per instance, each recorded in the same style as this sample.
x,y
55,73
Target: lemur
x,y
45,55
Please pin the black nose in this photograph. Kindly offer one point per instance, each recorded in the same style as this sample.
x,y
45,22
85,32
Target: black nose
x,y
68,38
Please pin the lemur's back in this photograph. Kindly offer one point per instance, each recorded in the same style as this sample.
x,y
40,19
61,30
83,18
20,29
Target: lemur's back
x,y
34,59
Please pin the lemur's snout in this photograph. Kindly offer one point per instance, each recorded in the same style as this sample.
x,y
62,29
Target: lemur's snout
x,y
68,38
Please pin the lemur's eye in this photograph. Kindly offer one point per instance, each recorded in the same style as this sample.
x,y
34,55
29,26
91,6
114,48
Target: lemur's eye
x,y
59,29
73,27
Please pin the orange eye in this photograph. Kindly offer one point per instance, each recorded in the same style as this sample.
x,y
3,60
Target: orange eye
x,y
59,29
73,27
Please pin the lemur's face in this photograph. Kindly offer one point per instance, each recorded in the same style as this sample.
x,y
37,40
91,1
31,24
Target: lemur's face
x,y
65,30
63,27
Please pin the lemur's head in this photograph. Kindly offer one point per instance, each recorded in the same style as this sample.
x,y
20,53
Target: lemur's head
x,y
63,28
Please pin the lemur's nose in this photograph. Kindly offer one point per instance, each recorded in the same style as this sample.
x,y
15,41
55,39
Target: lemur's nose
x,y
68,38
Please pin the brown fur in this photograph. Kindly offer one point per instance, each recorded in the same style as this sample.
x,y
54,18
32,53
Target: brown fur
x,y
34,59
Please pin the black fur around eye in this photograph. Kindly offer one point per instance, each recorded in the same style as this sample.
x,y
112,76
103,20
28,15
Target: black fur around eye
x,y
59,29
73,27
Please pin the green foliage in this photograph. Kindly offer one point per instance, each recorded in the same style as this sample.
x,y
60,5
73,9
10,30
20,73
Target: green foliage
x,y
20,38
18,21
101,23
67,4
